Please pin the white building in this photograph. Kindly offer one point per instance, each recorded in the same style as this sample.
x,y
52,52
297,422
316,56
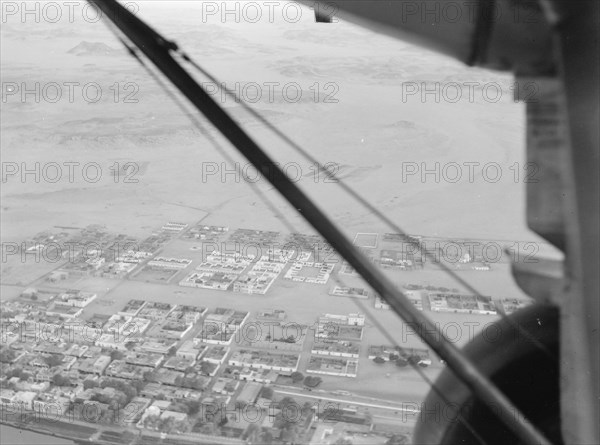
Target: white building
x,y
75,299
170,263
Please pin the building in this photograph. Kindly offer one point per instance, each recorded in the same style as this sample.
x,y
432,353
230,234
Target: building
x,y
170,263
148,359
132,308
158,345
93,365
25,399
75,298
186,314
353,292
172,226
320,275
354,319
57,275
469,304
225,386
249,393
156,311
336,348
260,278
7,397
178,363
380,303
221,325
271,315
133,257
215,354
51,404
209,280
96,263
63,311
265,376
258,359
191,350
333,366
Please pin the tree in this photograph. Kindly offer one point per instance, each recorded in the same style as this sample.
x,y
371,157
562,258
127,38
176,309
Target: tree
x,y
289,434
312,381
180,407
307,409
87,384
252,433
171,352
54,360
193,407
116,355
397,439
206,368
379,360
290,339
148,376
59,380
297,377
266,437
197,384
287,400
7,355
401,362
414,359
267,392
15,372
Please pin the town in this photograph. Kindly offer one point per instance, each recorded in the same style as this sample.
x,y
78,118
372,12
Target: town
x,y
204,359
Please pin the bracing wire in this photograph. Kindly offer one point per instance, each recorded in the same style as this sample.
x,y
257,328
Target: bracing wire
x,y
204,131
374,210
237,136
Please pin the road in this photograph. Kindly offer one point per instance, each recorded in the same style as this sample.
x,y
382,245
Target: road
x,y
403,406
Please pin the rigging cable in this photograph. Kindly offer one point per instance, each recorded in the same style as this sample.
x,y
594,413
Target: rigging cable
x,y
392,225
158,50
460,418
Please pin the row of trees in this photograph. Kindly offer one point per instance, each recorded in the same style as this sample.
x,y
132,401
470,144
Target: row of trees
x,y
310,381
400,361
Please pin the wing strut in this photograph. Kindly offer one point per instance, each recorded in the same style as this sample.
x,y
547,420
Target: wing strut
x,y
158,50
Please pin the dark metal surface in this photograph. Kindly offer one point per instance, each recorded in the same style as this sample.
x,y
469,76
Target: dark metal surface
x,y
528,375
555,43
505,35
